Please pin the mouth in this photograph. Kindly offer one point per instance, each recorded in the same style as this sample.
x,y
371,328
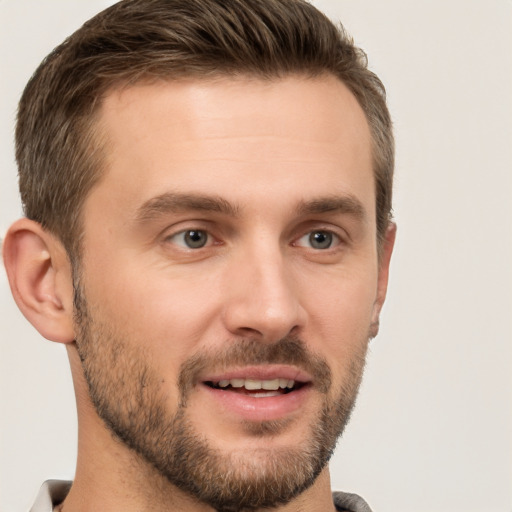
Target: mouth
x,y
259,393
257,388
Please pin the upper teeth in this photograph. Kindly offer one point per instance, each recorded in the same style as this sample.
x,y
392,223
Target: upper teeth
x,y
251,384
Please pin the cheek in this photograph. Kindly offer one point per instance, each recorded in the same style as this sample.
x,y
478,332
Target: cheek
x,y
168,316
340,316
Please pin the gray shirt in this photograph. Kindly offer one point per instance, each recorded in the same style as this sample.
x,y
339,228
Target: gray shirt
x,y
53,492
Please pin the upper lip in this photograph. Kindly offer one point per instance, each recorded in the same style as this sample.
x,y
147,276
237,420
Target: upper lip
x,y
260,372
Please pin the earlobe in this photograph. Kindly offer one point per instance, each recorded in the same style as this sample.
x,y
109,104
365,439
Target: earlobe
x,y
39,275
382,282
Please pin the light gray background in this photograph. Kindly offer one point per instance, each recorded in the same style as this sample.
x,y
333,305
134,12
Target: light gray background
x,y
433,426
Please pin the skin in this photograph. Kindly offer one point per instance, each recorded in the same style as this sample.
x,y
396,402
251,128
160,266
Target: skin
x,y
266,148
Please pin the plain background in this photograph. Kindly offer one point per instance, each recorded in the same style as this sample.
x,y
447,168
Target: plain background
x,y
433,425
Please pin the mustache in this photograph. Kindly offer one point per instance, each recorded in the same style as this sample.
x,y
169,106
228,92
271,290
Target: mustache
x,y
249,352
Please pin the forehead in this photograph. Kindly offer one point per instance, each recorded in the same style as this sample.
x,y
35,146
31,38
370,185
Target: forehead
x,y
234,137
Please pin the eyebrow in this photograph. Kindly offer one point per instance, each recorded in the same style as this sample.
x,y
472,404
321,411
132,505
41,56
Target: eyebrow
x,y
346,204
170,202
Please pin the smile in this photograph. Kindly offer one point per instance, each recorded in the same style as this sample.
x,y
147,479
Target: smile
x,y
257,388
259,393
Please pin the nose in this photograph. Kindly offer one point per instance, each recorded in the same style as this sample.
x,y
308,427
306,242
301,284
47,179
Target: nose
x,y
262,298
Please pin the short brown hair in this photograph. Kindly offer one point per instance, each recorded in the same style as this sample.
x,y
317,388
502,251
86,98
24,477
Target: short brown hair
x,y
59,154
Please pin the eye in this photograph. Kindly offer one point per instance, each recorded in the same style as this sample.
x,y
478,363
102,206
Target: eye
x,y
191,238
319,240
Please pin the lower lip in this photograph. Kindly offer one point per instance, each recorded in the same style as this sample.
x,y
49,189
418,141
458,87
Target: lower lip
x,y
259,409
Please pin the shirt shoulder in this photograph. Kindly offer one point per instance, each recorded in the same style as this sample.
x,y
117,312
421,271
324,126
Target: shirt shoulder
x,y
51,493
347,502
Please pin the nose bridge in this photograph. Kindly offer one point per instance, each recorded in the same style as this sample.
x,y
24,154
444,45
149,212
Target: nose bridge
x,y
263,299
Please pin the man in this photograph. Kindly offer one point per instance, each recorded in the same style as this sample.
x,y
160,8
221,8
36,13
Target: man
x,y
207,189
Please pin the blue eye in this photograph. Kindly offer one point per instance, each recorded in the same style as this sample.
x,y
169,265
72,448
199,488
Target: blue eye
x,y
319,240
191,238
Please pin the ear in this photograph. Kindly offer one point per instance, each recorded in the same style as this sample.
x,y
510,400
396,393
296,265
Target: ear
x,y
39,274
382,281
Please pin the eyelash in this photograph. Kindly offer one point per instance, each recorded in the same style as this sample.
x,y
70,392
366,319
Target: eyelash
x,y
172,238
332,238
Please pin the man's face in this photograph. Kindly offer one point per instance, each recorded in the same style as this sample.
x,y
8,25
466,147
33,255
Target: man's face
x,y
229,280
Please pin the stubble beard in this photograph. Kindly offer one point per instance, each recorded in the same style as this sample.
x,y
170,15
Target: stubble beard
x,y
129,398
